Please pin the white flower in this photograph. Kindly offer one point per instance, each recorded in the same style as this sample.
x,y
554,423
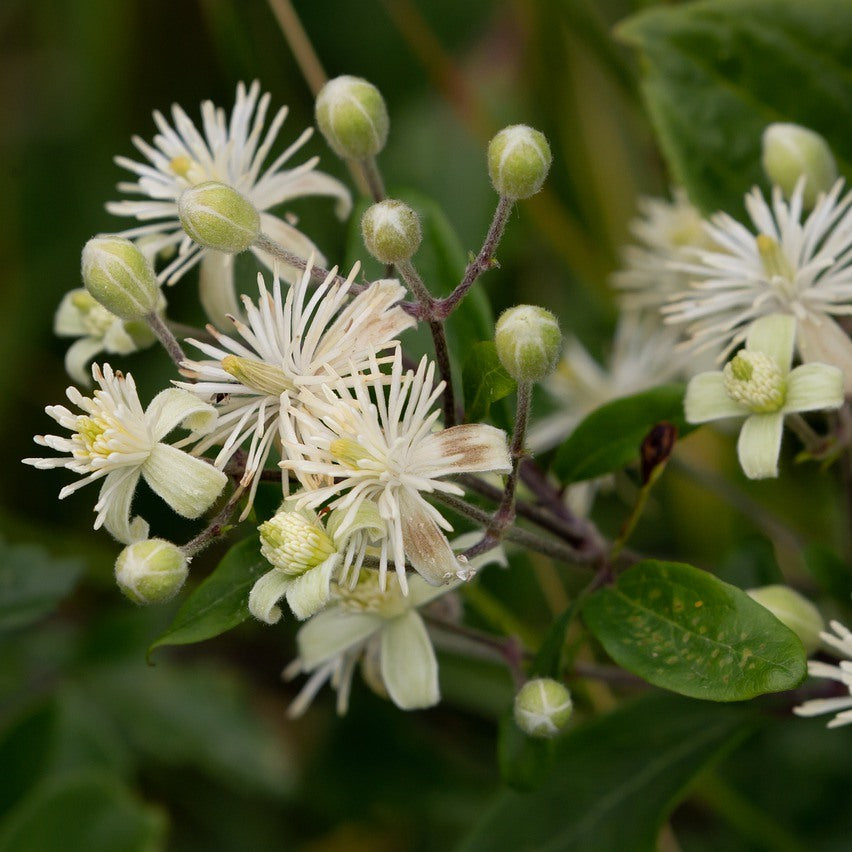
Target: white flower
x,y
307,556
357,446
759,385
841,641
79,315
663,231
370,621
788,266
303,340
115,440
230,151
643,355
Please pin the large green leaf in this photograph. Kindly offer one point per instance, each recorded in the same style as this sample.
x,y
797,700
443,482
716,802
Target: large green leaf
x,y
685,630
614,780
82,813
611,436
220,603
717,72
32,583
484,380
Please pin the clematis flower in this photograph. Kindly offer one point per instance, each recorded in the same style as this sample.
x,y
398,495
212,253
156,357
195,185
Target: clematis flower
x,y
307,557
231,151
840,641
115,440
305,339
801,268
759,385
351,449
97,330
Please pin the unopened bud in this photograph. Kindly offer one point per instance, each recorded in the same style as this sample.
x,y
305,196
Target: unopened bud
x,y
528,342
542,707
119,276
791,152
218,217
391,231
519,159
151,571
792,610
293,543
352,115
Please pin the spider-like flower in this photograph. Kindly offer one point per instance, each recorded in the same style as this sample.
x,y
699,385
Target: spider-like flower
x,y
643,355
841,641
663,231
758,384
230,151
115,440
803,268
356,446
302,340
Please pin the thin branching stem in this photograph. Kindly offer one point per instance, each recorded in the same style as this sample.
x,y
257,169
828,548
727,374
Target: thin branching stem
x,y
168,340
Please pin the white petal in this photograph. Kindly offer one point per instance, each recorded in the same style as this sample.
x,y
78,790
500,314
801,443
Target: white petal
x,y
333,631
818,706
216,289
471,448
425,545
116,496
312,183
706,399
265,594
188,484
78,356
759,445
821,339
409,667
814,387
68,321
291,239
118,341
175,406
421,593
774,335
311,592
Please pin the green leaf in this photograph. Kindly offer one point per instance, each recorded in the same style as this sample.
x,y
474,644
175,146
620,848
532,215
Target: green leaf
x,y
611,436
81,813
484,381
220,603
685,630
524,761
830,570
712,81
32,583
614,780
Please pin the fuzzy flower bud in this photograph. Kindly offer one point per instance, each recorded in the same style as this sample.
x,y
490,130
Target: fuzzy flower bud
x,y
791,152
794,611
542,707
519,159
352,115
391,231
293,543
119,276
218,217
151,571
528,342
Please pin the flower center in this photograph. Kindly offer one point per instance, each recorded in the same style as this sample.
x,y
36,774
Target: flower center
x,y
293,543
348,452
257,375
776,267
188,169
96,319
102,437
756,381
368,597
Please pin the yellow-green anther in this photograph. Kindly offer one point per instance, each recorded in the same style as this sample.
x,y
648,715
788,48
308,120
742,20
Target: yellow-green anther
x,y
293,543
262,377
775,264
756,381
348,452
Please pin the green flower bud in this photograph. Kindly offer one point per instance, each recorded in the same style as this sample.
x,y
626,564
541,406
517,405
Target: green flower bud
x,y
119,276
352,115
519,159
528,342
790,152
151,571
218,217
294,543
391,231
542,707
794,611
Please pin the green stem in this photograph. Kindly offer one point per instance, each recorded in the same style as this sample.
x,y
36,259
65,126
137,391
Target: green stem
x,y
373,177
169,341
